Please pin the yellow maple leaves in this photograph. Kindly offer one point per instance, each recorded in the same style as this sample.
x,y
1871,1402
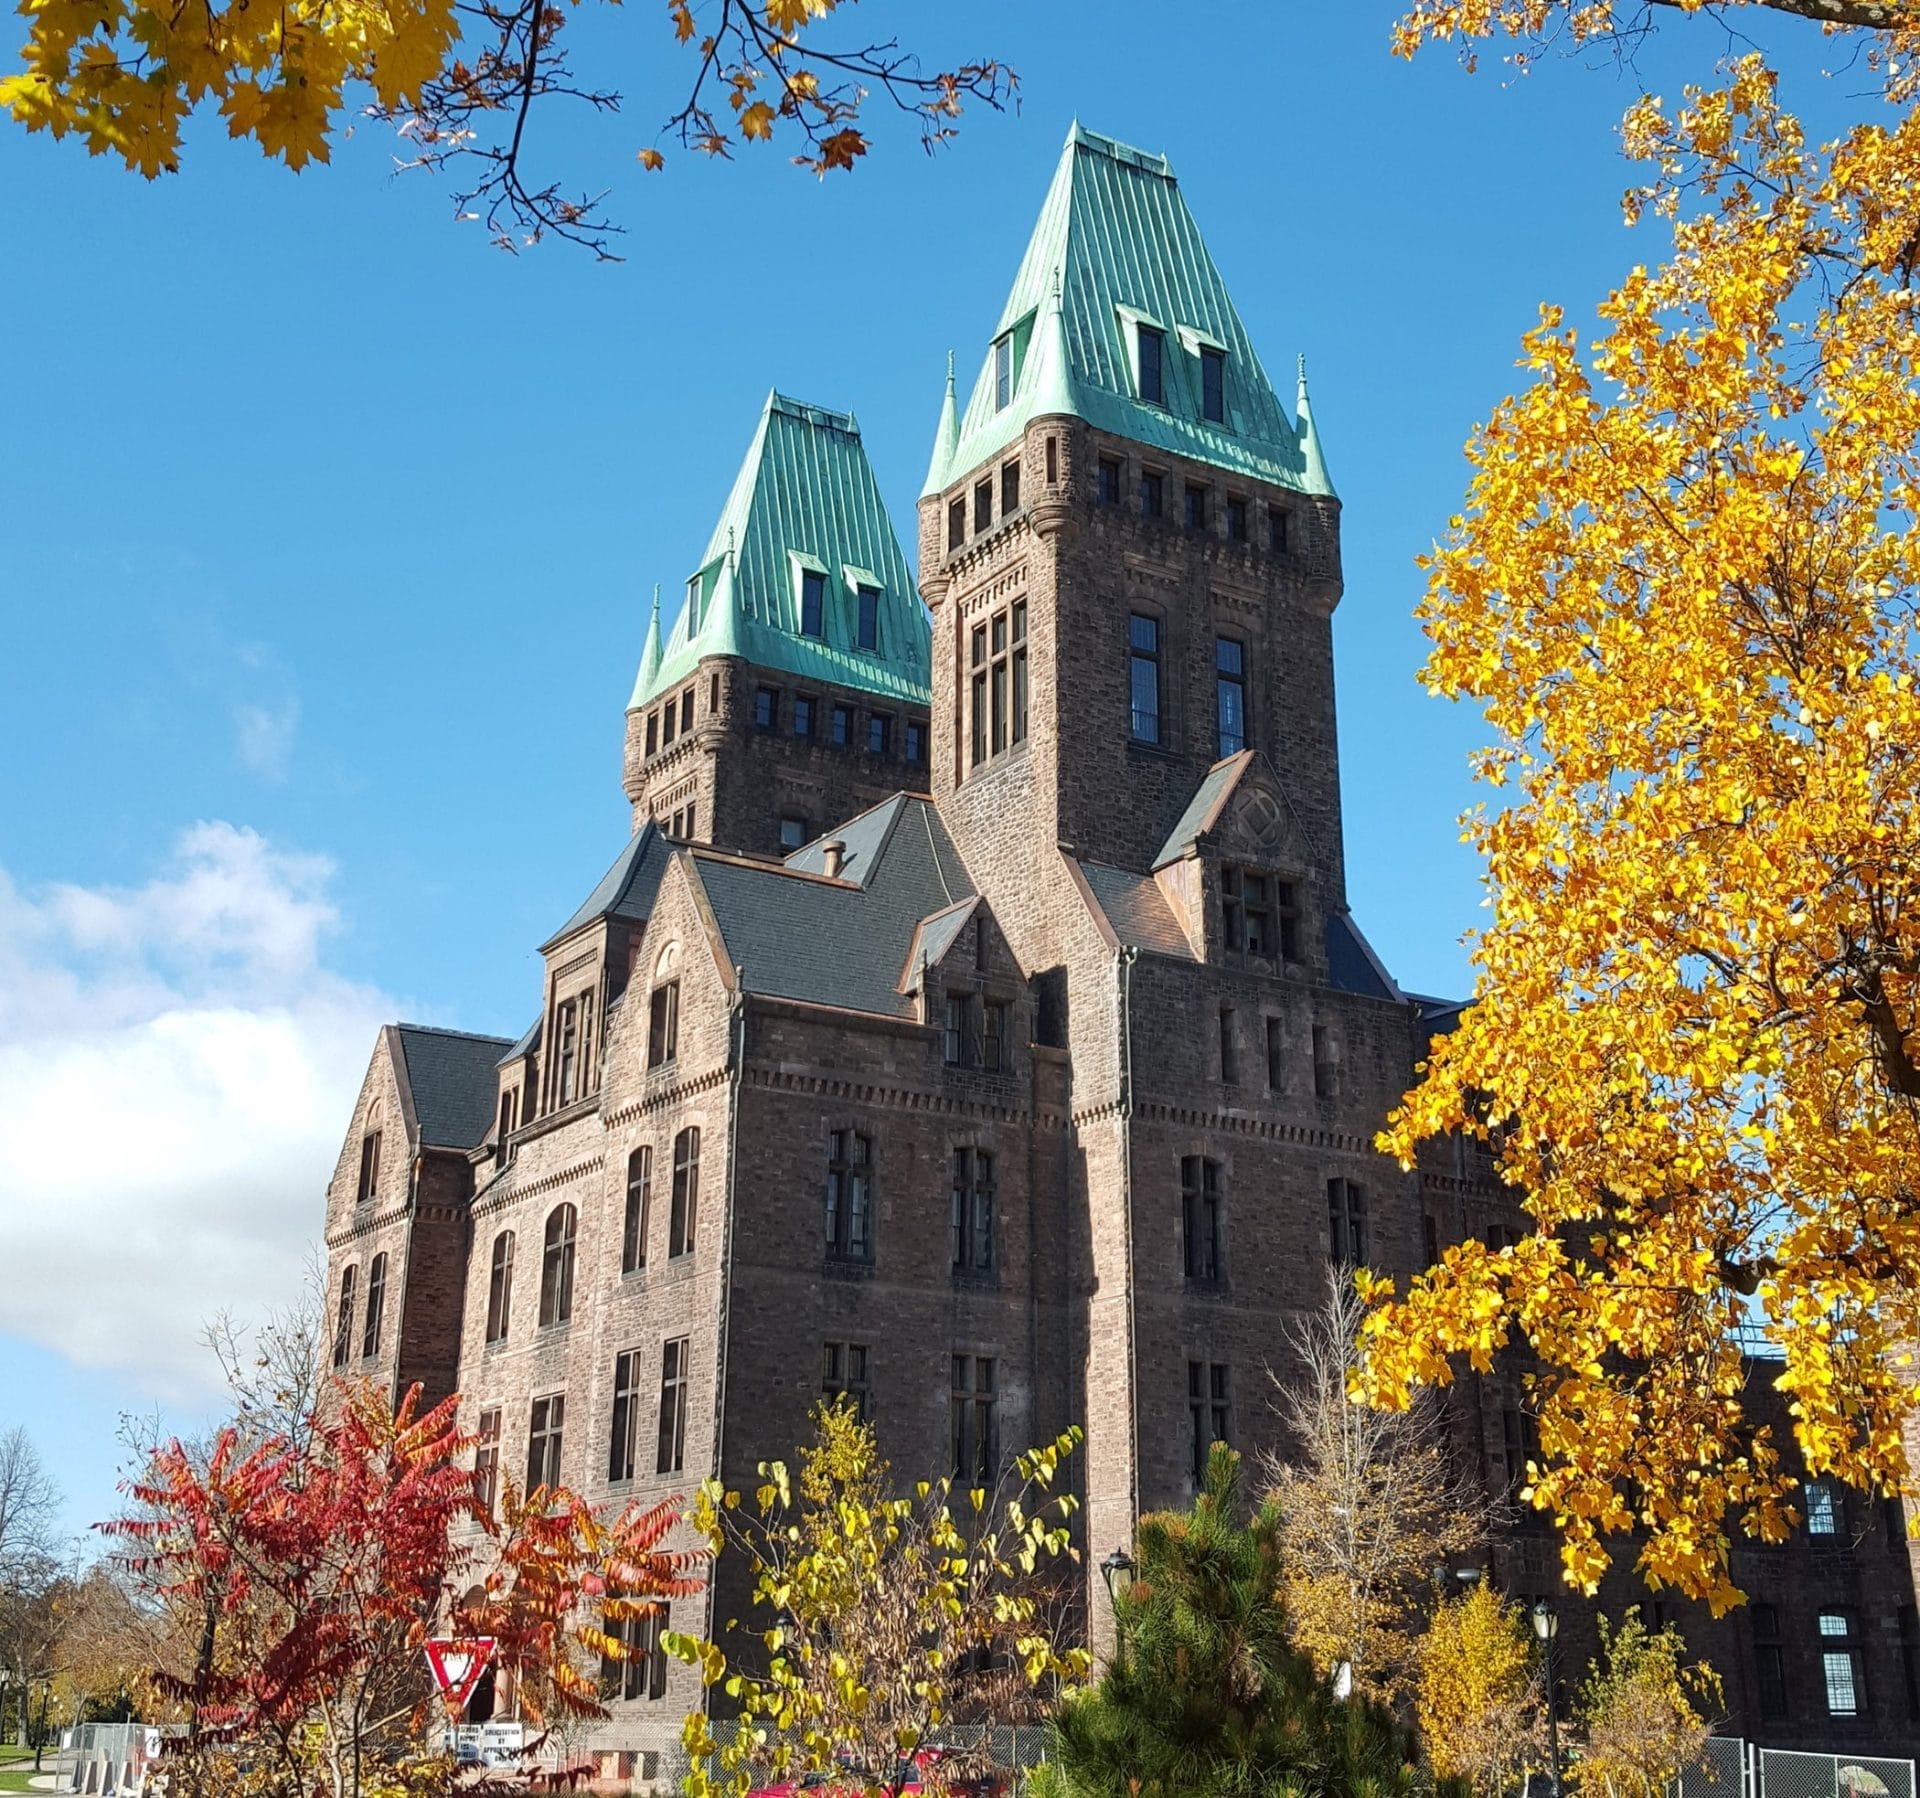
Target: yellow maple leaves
x,y
1683,594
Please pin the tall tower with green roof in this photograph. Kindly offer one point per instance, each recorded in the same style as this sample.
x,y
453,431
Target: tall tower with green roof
x,y
1125,462
791,691
1130,546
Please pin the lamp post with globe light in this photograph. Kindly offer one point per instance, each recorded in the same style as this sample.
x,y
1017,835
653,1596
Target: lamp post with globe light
x,y
1546,1625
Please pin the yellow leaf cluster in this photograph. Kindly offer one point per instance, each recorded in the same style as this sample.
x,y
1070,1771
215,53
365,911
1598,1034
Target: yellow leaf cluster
x,y
1477,1703
1683,593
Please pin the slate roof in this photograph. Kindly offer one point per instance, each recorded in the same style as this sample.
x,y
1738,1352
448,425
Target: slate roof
x,y
524,1044
1352,965
1137,910
1203,808
454,1082
628,888
805,497
1115,247
795,934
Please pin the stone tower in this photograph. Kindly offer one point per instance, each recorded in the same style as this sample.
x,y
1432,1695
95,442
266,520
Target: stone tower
x,y
792,691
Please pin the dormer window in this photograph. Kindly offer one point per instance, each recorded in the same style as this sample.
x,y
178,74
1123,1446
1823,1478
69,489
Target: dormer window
x,y
813,602
1213,386
1153,344
1003,373
1261,915
869,620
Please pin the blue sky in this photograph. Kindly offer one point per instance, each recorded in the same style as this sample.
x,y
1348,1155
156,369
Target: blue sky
x,y
330,532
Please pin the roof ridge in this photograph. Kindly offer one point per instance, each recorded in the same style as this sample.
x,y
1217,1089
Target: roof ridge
x,y
472,1036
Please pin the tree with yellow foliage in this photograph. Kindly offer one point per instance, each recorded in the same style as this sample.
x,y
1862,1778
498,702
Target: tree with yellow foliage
x,y
1640,1712
884,1617
1683,593
459,81
1479,1699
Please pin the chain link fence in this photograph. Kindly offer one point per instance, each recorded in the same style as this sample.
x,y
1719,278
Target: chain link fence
x,y
1788,1773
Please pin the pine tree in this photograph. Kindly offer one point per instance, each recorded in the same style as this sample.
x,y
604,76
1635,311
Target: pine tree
x,y
1206,1696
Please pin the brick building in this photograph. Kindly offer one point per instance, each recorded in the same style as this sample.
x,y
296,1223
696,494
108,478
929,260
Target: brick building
x,y
974,1020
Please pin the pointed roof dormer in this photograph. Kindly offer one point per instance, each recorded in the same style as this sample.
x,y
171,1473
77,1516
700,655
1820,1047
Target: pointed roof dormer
x,y
1318,480
1116,251
804,504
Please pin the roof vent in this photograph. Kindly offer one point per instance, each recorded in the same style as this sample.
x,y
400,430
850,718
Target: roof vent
x,y
833,853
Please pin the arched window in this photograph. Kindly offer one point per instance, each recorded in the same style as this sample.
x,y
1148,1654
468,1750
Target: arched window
x,y
556,1267
849,1195
633,1237
376,1303
500,1288
686,1191
663,1009
343,1324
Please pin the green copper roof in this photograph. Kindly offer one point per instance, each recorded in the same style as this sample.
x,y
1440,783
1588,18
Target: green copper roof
x,y
1115,248
805,500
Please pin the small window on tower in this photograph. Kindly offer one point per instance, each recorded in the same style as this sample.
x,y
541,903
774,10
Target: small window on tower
x,y
1153,493
1152,349
1277,529
1213,386
982,505
869,638
843,724
1003,373
916,742
1109,481
813,602
793,832
1236,519
879,734
766,707
1009,487
1196,508
956,524
802,717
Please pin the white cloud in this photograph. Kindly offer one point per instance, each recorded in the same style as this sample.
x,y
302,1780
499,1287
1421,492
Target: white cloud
x,y
176,1066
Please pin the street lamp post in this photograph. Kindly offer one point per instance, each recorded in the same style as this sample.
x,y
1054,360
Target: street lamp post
x,y
1117,1571
1546,1625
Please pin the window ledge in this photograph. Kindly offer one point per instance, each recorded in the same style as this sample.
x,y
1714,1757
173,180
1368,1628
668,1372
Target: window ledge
x,y
978,1279
1157,751
847,1267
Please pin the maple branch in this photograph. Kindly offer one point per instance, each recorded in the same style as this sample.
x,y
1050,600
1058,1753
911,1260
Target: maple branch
x,y
1872,15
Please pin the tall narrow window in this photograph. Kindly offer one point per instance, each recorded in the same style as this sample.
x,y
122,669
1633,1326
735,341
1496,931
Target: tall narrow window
x,y
566,1051
556,1266
802,716
879,733
956,524
376,1304
1053,461
663,1024
1003,373
971,1211
500,1288
959,1035
977,693
971,1413
1286,911
686,1192
1520,1445
1230,694
849,1195
641,1670
998,689
1200,1216
486,1462
1153,493
1236,519
844,1374
1196,508
653,732
669,722
1213,386
766,707
1108,490
813,602
1277,528
993,1037
1326,1064
1152,346
1346,1223
343,1321
1018,725
982,505
1209,1413
369,1168
1009,487
916,744
509,1110
842,731
1823,1508
1840,1664
672,1454
1769,1661
1143,638
544,1431
633,1232
869,619
1229,1048
626,1415
1276,1056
